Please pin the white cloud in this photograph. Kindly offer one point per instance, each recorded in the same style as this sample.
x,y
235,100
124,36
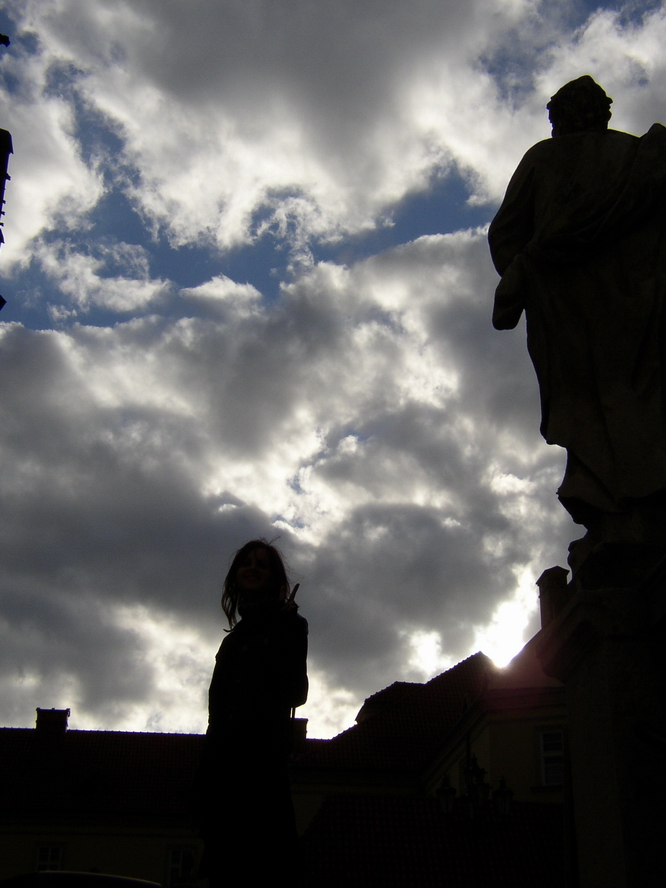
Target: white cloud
x,y
625,58
242,298
80,277
50,184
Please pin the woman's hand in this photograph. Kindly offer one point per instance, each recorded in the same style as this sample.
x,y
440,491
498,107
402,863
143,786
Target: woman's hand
x,y
289,603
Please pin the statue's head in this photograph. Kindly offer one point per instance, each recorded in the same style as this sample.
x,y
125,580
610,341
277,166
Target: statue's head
x,y
580,106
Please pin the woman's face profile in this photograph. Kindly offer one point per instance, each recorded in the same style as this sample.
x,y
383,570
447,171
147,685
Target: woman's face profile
x,y
255,572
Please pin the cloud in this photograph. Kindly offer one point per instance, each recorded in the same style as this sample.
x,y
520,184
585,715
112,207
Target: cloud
x,y
225,122
51,185
314,117
94,276
624,58
355,415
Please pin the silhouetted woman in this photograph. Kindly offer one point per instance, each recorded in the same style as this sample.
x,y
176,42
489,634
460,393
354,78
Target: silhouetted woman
x,y
260,675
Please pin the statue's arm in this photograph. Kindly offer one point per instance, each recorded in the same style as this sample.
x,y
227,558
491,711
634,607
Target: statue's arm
x,y
509,297
510,232
513,226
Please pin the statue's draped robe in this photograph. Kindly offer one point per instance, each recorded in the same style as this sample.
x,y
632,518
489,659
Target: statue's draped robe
x,y
580,242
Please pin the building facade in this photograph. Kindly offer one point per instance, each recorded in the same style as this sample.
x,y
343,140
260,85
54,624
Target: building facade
x,y
457,781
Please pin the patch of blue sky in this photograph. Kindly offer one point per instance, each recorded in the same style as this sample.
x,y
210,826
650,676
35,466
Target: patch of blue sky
x,y
28,293
514,64
264,263
630,12
277,519
526,51
24,43
8,81
7,24
99,143
444,207
577,12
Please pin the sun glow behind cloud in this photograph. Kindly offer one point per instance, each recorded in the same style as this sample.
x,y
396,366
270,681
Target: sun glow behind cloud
x,y
505,634
427,656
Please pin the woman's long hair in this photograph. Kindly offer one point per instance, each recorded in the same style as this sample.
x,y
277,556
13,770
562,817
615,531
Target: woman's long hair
x,y
231,592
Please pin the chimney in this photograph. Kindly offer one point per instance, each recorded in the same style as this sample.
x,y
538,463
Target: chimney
x,y
52,721
553,593
300,732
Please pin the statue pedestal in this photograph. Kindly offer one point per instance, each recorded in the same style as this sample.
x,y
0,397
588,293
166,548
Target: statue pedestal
x,y
607,647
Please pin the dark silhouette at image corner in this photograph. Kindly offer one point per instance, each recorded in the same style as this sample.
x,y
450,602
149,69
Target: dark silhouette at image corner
x,y
6,148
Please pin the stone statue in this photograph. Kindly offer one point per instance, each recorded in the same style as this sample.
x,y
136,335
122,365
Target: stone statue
x,y
580,243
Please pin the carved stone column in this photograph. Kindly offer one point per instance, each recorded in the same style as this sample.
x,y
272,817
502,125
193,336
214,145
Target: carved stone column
x,y
607,646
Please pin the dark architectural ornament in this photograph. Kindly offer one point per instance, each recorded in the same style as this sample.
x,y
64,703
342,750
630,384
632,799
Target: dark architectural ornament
x,y
6,148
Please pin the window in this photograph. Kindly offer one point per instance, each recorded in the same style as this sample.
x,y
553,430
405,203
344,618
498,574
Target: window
x,y
552,757
180,867
49,857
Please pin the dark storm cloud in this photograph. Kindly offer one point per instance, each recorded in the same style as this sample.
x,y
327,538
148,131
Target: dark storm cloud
x,y
52,635
334,56
99,512
390,569
99,493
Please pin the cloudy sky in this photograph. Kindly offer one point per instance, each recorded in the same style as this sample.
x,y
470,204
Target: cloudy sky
x,y
248,294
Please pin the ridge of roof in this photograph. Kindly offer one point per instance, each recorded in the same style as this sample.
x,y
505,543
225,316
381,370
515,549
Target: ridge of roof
x,y
393,693
406,731
395,688
71,731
